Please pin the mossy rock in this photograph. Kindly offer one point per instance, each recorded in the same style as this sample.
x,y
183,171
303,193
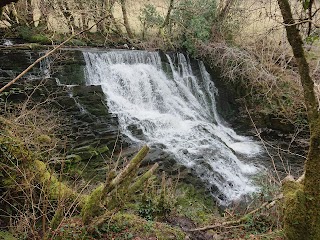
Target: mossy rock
x,y
121,225
34,35
103,149
92,99
85,152
70,68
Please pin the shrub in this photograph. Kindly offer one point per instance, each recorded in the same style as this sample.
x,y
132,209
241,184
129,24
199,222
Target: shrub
x,y
193,20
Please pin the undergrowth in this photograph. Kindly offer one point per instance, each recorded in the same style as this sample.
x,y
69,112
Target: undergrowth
x,y
35,204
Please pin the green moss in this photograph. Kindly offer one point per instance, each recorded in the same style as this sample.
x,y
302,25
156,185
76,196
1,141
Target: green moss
x,y
102,149
73,158
39,38
12,150
92,206
34,35
57,218
124,224
86,152
44,139
294,211
57,188
12,154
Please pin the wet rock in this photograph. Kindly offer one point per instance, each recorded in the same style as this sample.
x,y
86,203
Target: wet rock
x,y
71,72
15,61
87,121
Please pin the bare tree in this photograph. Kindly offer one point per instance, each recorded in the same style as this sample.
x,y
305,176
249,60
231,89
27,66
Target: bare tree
x,y
167,19
125,18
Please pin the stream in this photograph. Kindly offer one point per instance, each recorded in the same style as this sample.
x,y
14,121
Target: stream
x,y
172,108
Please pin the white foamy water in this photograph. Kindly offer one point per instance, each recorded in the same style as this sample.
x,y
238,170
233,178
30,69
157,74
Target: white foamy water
x,y
177,110
7,42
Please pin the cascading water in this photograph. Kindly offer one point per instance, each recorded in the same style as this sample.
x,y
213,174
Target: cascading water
x,y
175,110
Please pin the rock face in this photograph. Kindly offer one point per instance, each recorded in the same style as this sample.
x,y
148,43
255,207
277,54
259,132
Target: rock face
x,y
84,106
13,62
93,132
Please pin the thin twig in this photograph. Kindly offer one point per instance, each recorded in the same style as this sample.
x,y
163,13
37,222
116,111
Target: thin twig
x,y
264,145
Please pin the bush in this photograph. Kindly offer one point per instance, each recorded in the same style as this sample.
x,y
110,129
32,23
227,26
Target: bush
x,y
193,20
149,18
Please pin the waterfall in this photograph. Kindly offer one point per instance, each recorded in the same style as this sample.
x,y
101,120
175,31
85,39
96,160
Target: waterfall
x,y
176,110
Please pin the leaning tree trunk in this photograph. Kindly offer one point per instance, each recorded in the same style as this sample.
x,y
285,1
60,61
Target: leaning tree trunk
x,y
125,18
302,215
167,19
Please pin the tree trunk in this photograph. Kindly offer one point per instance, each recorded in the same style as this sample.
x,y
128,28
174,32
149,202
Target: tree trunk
x,y
308,226
125,18
310,17
167,19
113,21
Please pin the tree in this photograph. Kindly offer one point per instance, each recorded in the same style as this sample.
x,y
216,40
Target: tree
x,y
125,18
302,200
167,19
109,4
